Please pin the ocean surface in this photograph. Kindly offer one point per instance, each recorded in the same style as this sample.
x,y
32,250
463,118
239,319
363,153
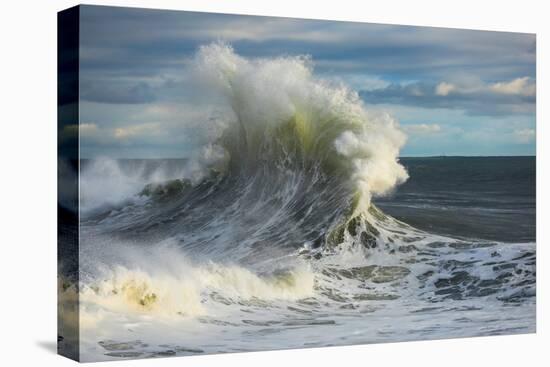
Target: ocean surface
x,y
294,224
230,266
490,198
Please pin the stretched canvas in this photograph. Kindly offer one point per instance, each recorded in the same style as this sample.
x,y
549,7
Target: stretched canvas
x,y
233,183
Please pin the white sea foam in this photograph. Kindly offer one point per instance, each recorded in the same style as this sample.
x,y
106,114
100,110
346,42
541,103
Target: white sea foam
x,y
248,285
107,182
163,283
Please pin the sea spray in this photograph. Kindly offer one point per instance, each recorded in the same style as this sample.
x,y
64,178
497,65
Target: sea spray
x,y
272,98
164,283
265,235
276,111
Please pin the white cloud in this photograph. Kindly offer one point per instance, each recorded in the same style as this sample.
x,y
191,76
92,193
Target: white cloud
x,y
444,88
87,129
524,136
422,129
524,86
365,82
520,86
145,129
74,130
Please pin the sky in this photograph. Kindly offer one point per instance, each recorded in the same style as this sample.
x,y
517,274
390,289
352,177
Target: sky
x,y
454,92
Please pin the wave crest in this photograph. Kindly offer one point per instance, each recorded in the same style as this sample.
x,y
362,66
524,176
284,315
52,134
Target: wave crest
x,y
283,113
274,115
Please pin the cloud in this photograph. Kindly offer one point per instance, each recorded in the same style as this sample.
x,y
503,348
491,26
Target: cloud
x,y
131,76
120,39
516,96
524,86
117,92
525,136
73,131
146,129
520,86
130,134
422,129
364,81
88,129
444,88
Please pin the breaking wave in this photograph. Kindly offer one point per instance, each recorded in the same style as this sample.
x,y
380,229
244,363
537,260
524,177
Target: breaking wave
x,y
273,218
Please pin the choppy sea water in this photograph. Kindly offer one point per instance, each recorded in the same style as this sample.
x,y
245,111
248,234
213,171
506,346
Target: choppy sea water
x,y
293,224
191,270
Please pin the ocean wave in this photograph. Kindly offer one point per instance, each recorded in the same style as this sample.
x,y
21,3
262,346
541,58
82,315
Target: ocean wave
x,y
162,282
271,223
278,116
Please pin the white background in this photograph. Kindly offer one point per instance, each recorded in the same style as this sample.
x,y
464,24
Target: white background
x,y
28,181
